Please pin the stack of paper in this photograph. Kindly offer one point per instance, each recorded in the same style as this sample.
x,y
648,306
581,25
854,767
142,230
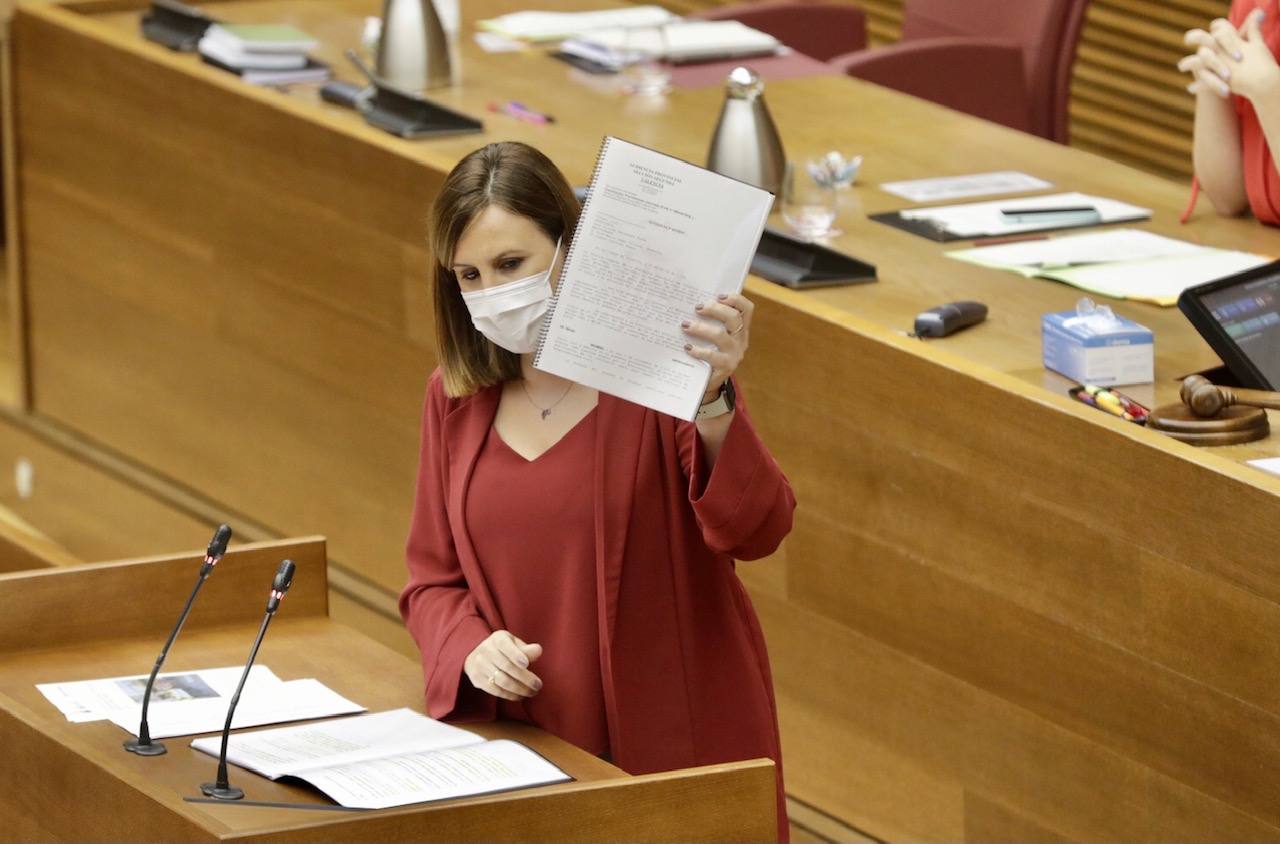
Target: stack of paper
x,y
959,187
556,26
688,41
262,54
184,703
1122,264
986,219
388,759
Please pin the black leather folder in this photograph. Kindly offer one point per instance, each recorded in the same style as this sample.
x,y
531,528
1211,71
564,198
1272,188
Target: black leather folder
x,y
795,263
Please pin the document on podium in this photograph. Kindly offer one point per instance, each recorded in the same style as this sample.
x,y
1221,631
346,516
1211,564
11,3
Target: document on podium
x,y
188,702
656,237
294,700
387,759
98,700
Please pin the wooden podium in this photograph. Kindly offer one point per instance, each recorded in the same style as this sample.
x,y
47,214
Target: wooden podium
x,y
65,781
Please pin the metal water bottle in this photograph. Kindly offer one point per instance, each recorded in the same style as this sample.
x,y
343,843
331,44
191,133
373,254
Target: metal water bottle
x,y
413,51
746,144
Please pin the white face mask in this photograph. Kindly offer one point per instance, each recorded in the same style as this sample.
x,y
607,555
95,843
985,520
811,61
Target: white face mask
x,y
511,314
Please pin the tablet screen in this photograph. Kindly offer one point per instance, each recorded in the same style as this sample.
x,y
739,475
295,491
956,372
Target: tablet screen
x,y
1249,314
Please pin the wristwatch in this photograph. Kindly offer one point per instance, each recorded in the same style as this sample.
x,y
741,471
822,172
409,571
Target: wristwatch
x,y
720,405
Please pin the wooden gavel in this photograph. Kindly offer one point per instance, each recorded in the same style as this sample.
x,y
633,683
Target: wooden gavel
x,y
1206,399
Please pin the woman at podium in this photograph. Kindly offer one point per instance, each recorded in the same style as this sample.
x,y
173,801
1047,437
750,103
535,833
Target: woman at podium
x,y
571,556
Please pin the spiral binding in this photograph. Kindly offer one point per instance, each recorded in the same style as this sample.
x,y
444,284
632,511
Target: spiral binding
x,y
568,255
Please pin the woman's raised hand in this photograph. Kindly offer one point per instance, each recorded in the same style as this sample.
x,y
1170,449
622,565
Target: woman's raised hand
x,y
726,322
500,666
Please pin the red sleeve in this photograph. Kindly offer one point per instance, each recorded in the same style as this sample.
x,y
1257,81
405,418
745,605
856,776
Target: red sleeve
x,y
436,605
1240,10
744,504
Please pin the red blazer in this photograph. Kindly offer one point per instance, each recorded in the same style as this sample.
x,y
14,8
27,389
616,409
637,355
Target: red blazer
x,y
1261,179
683,662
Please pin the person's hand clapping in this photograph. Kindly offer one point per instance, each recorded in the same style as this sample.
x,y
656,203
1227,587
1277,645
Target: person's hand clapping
x,y
725,322
500,666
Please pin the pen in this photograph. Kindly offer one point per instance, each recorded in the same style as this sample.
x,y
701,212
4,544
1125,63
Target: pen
x,y
1072,209
537,116
1110,401
519,112
997,241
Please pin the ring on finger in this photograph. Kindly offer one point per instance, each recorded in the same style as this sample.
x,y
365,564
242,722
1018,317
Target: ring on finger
x,y
738,330
493,678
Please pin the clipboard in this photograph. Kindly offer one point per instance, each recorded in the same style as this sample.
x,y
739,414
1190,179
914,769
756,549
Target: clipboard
x,y
987,218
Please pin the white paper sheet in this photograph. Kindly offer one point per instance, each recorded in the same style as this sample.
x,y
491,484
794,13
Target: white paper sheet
x,y
296,700
1121,263
419,777
983,219
292,750
960,187
1266,464
679,42
554,26
1102,247
1159,281
96,700
657,236
387,759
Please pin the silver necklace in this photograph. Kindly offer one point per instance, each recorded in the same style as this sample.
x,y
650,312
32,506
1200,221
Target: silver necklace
x,y
546,411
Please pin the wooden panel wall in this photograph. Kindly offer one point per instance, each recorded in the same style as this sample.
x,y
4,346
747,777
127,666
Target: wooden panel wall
x,y
1128,101
1041,657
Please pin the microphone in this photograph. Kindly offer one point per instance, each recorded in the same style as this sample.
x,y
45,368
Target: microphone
x,y
221,788
143,745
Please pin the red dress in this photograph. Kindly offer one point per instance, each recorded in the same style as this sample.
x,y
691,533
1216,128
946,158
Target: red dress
x,y
545,587
683,667
1261,179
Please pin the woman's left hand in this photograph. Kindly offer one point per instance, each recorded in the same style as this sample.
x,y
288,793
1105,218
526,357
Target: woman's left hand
x,y
1254,74
726,323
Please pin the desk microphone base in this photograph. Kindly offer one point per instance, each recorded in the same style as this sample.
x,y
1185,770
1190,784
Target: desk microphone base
x,y
151,748
228,792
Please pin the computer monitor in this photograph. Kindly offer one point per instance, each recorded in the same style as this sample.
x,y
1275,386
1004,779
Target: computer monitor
x,y
1239,316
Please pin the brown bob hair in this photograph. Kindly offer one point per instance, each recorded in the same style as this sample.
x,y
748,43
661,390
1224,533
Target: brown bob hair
x,y
521,180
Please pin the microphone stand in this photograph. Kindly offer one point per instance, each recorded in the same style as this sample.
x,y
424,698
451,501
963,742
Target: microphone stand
x,y
143,745
222,788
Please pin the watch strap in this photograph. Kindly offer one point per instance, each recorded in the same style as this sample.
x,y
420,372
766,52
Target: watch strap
x,y
723,403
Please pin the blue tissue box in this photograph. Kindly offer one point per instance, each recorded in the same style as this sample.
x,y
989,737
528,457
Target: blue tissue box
x,y
1125,354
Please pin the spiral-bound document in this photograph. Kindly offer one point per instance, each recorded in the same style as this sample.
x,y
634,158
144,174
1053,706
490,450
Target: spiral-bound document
x,y
657,236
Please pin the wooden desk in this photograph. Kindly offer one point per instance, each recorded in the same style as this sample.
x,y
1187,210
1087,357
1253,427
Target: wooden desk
x,y
1001,614
64,781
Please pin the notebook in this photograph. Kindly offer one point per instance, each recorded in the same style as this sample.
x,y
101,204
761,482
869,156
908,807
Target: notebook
x,y
985,219
657,236
1120,263
312,71
387,759
262,38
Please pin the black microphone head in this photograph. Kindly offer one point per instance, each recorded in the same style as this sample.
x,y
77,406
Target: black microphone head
x,y
218,545
284,577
